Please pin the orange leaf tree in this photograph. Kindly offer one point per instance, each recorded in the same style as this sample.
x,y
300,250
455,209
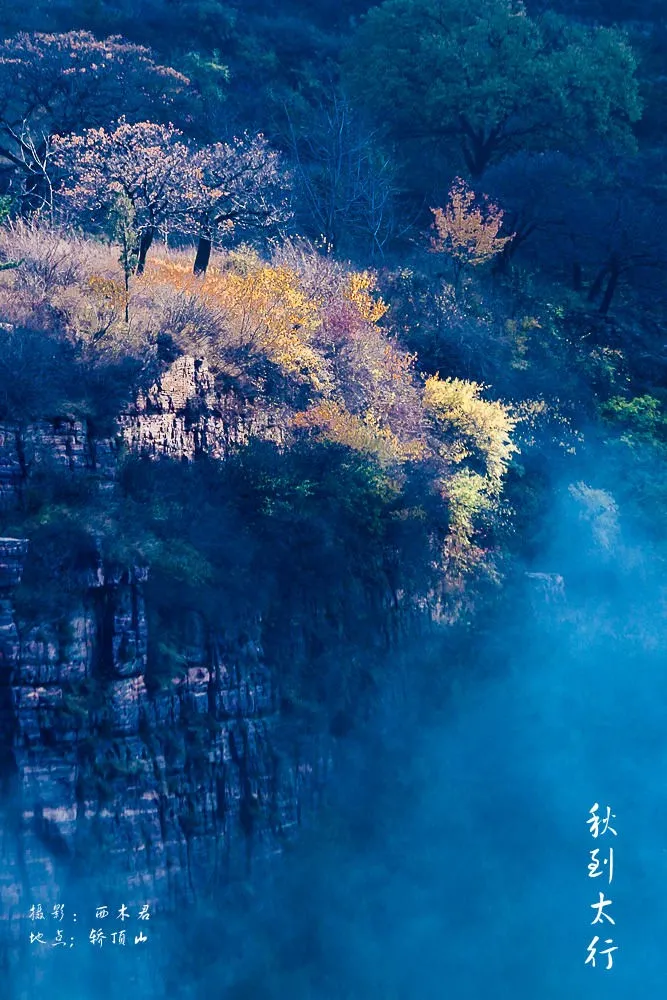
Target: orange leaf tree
x,y
468,228
147,163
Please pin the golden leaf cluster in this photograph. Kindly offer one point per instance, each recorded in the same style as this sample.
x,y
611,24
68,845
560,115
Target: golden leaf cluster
x,y
263,311
331,421
468,228
359,291
473,423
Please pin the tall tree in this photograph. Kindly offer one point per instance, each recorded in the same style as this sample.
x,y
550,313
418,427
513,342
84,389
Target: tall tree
x,y
146,163
65,83
488,79
241,183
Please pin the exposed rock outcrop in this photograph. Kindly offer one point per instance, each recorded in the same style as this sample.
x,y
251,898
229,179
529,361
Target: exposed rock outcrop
x,y
183,416
190,765
180,783
62,444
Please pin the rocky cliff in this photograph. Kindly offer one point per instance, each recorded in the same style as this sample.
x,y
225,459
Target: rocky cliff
x,y
180,786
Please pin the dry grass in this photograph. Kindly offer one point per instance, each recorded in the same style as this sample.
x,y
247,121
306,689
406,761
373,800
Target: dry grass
x,y
300,330
294,320
51,258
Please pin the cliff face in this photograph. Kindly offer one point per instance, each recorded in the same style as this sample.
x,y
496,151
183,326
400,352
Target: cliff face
x,y
181,786
180,417
183,416
63,442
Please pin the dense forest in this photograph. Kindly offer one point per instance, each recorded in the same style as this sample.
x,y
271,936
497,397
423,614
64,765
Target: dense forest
x,y
419,246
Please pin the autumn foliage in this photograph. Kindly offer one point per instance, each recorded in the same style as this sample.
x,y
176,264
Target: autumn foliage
x,y
62,83
296,335
468,228
253,311
170,185
240,184
147,164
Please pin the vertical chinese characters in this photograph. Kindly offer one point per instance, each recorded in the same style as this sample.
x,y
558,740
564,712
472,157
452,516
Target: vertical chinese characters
x,y
598,868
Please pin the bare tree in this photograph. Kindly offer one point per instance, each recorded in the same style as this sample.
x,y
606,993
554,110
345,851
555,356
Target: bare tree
x,y
346,179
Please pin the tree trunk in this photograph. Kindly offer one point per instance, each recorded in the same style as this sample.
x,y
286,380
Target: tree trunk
x,y
144,247
458,278
612,285
504,258
36,194
478,148
596,287
501,263
477,155
203,255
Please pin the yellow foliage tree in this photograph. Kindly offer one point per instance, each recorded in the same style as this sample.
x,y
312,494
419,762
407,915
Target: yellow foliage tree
x,y
471,426
332,422
474,434
264,309
359,291
468,228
